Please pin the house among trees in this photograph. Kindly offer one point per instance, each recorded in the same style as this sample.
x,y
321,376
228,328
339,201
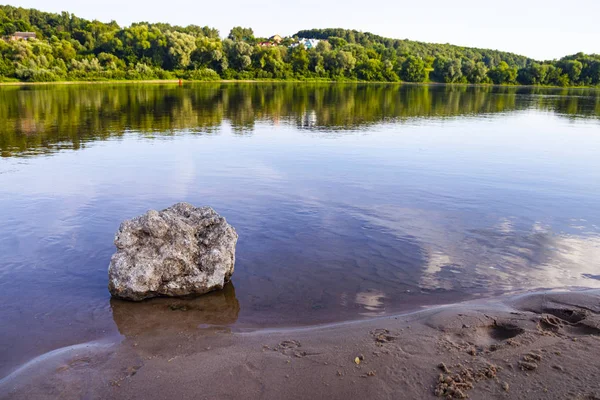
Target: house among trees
x,y
23,36
307,43
276,39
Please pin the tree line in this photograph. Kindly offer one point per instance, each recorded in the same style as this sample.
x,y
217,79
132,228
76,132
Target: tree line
x,y
72,48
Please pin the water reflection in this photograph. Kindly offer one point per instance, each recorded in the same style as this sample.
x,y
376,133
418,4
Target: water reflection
x,y
491,259
46,119
172,327
372,302
499,257
162,316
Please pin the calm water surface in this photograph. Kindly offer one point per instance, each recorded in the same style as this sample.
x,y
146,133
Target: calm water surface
x,y
351,201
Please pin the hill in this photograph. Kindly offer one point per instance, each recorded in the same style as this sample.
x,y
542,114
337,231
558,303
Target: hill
x,y
66,47
424,50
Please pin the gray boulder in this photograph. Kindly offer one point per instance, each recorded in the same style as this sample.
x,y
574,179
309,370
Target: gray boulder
x,y
178,251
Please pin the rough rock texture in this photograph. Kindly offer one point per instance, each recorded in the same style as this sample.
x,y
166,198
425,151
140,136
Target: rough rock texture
x,y
174,252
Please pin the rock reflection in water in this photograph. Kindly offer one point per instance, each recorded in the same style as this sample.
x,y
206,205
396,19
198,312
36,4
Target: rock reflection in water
x,y
163,316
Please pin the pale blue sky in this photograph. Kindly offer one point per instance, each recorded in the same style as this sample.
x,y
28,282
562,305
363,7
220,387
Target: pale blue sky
x,y
542,29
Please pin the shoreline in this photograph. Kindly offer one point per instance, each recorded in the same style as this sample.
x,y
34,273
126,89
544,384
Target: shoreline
x,y
529,345
186,82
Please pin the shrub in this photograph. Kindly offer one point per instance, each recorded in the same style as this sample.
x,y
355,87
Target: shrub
x,y
203,74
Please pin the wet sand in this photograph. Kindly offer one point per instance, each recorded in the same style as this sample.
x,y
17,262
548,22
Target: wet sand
x,y
536,346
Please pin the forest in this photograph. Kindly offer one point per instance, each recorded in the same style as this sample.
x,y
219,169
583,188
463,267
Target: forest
x,y
68,48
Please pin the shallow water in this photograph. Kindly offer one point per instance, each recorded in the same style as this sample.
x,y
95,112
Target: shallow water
x,y
351,201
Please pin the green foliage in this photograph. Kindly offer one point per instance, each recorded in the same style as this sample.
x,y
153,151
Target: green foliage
x,y
336,42
36,74
503,74
533,74
413,70
203,74
299,60
270,63
180,45
209,54
72,48
370,70
407,47
572,68
474,72
447,70
238,53
241,34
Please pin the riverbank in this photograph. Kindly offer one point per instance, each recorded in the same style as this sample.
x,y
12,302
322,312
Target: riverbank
x,y
154,81
176,81
542,345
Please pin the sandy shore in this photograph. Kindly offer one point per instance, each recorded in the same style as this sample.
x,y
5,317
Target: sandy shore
x,y
538,346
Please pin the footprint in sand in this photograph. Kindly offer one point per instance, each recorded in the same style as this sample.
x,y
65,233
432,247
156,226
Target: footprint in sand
x,y
383,336
500,332
483,338
570,321
291,348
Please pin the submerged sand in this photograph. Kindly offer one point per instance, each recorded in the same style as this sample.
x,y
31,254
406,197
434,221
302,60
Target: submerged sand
x,y
537,346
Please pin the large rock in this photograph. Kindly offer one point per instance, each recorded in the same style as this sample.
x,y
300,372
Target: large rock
x,y
179,251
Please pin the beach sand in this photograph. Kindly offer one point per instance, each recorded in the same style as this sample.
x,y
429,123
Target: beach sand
x,y
536,346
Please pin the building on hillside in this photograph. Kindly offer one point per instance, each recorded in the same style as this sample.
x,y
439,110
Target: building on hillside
x,y
276,39
307,43
23,36
266,44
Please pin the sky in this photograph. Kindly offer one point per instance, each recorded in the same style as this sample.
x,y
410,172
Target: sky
x,y
541,29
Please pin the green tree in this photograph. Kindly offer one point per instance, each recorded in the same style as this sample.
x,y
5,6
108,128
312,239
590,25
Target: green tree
x,y
337,43
339,63
299,60
238,54
474,72
270,62
180,47
413,70
370,70
533,74
447,70
572,68
316,62
209,54
241,34
503,74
